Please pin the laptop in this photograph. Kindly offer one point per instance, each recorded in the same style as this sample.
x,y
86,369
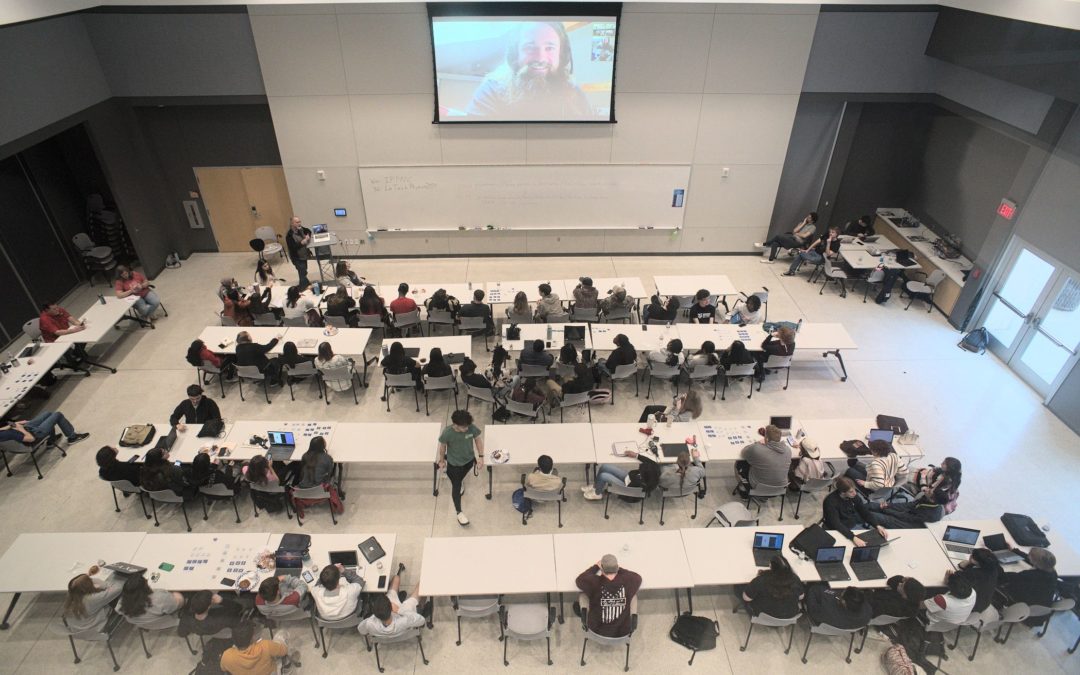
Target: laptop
x,y
781,423
767,545
829,563
881,435
411,352
371,549
347,559
864,563
320,234
960,541
620,448
1000,547
574,333
874,538
289,563
673,449
166,442
454,358
126,569
282,445
307,343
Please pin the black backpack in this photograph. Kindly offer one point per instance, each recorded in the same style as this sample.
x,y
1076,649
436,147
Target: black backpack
x,y
210,663
696,633
976,341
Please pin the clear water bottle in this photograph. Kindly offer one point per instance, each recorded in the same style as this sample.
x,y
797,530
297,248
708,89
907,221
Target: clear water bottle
x,y
14,361
549,332
101,298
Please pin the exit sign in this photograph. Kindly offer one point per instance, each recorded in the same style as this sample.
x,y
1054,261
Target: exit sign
x,y
1007,209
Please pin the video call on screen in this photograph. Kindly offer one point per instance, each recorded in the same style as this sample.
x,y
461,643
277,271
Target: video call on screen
x,y
768,540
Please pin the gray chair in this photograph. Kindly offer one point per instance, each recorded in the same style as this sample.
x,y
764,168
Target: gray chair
x,y
277,491
348,622
762,493
153,622
527,622
336,321
763,619
166,497
1010,616
474,325
925,288
976,621
372,321
533,411
622,372
407,321
831,631
302,371
687,491
212,370
342,374
128,488
32,449
812,486
704,373
271,240
319,493
393,382
530,370
112,622
1058,606
628,492
739,371
481,394
775,362
475,607
277,614
555,496
564,370
252,374
617,314
267,319
227,320
875,278
584,315
878,621
557,318
934,634
575,400
518,319
97,259
295,322
733,514
444,383
439,317
662,371
217,492
609,641
407,636
836,275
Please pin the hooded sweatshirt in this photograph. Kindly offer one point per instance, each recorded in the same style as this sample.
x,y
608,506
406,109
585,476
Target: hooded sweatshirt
x,y
257,659
548,305
769,462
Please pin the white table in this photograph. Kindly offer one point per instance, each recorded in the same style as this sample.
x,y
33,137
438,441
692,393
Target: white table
x,y
861,259
634,287
689,285
185,448
724,439
346,341
503,292
720,334
101,318
201,560
539,331
605,434
45,562
1068,560
658,556
303,431
386,442
509,564
421,291
382,570
830,433
18,381
564,443
215,336
449,344
643,337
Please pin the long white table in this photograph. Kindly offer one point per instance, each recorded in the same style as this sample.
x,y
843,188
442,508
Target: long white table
x,y
376,575
345,341
222,339
45,562
503,292
689,285
200,561
606,434
831,432
539,331
827,338
565,443
101,318
488,565
1068,560
18,381
449,344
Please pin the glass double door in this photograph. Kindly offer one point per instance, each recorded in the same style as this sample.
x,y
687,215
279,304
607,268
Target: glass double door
x,y
1033,317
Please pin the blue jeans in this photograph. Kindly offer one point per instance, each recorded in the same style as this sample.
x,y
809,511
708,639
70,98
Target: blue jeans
x,y
805,256
609,473
601,365
42,425
147,305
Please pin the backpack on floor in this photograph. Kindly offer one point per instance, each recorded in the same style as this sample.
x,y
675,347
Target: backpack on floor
x,y
522,503
896,661
976,341
210,663
696,633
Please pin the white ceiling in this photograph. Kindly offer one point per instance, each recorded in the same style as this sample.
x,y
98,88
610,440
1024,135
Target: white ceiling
x,y
1064,13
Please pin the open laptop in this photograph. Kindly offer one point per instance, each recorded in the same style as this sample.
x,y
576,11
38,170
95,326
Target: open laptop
x,y
781,423
282,445
289,563
960,541
320,234
166,442
347,559
864,563
574,333
673,449
829,563
371,549
874,538
411,352
1001,549
881,435
620,448
767,545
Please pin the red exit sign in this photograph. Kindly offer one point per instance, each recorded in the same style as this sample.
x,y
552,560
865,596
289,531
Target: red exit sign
x,y
1007,209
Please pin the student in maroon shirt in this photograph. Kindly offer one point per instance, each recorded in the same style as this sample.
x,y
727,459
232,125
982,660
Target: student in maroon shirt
x,y
608,592
402,304
55,321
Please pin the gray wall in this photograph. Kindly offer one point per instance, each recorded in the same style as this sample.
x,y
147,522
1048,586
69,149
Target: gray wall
x,y
806,165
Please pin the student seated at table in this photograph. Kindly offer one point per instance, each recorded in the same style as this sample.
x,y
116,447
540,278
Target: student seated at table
x,y
397,363
259,471
207,471
549,303
815,253
544,476
291,356
443,301
533,354
471,377
195,409
624,354
326,361
297,307
402,304
250,353
55,321
617,298
776,591
110,468
749,313
683,408
764,462
705,357
568,354
128,282
902,597
780,342
938,492
794,239
280,595
585,294
808,466
340,304
237,307
371,304
86,607
861,228
686,473
581,382
477,307
436,365
609,591
227,284
138,600
390,615
661,311
207,613
520,311
880,472
41,426
646,476
953,606
345,276
735,355
671,355
983,571
840,609
260,304
264,273
317,466
702,311
198,352
843,510
159,473
251,656
334,600
1036,586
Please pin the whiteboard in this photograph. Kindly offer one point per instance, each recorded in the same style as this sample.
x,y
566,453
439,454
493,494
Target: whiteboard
x,y
524,197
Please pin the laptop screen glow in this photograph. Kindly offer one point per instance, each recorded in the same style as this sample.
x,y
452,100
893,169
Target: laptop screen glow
x,y
828,554
768,540
882,435
864,554
281,438
961,535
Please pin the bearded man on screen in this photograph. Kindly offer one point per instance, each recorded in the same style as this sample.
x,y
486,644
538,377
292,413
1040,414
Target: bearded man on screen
x,y
536,82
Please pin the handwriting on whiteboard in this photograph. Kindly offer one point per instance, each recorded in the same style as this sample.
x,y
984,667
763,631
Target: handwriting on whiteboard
x,y
399,184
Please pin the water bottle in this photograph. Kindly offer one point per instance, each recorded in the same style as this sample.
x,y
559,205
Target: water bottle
x,y
101,298
549,332
316,288
470,285
14,361
881,259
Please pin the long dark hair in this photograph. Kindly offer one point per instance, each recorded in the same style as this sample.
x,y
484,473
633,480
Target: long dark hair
x,y
257,468
194,353
326,352
263,269
310,460
781,580
292,296
650,476
950,467
568,354
135,597
201,468
395,358
737,353
370,302
436,357
155,469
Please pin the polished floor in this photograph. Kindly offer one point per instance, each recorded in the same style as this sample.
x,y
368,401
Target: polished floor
x,y
907,364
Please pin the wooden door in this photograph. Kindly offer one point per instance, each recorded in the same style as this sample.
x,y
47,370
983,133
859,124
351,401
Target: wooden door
x,y
240,199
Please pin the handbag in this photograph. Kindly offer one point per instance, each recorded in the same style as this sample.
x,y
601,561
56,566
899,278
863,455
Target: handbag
x,y
212,428
137,435
807,542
